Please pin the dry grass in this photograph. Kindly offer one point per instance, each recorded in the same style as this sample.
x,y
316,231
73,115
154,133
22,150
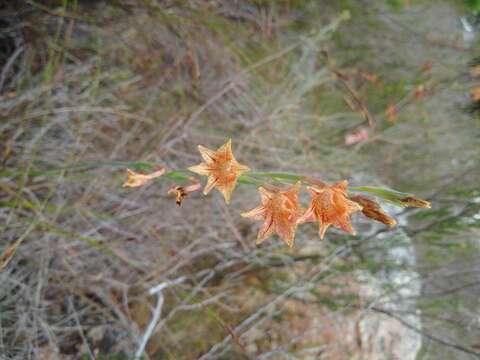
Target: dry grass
x,y
137,82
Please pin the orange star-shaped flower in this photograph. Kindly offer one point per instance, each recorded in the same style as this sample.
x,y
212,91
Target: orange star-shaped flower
x,y
221,168
330,206
280,210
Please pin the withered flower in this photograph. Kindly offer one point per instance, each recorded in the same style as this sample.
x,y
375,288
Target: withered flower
x,y
414,202
136,179
330,206
181,192
222,169
372,210
280,210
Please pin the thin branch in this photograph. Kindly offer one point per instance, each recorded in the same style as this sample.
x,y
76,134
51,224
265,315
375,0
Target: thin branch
x,y
425,334
156,290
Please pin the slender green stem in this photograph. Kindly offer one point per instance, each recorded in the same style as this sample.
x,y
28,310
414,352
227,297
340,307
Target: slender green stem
x,y
278,176
252,178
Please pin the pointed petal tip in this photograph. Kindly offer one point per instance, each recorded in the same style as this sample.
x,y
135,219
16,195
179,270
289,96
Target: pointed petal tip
x,y
227,146
195,168
295,188
227,191
392,223
260,239
248,214
289,242
265,195
241,169
255,213
342,184
322,230
313,190
211,183
228,143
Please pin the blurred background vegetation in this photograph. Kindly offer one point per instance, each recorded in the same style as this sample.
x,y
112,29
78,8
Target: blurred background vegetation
x,y
376,92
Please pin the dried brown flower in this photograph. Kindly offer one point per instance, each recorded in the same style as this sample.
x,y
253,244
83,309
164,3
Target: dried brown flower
x,y
330,206
136,179
181,192
222,169
372,210
280,210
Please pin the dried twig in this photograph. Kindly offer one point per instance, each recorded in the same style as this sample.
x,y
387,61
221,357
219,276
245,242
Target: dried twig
x,y
156,290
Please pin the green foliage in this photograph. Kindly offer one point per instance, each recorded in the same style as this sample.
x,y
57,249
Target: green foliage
x,y
473,5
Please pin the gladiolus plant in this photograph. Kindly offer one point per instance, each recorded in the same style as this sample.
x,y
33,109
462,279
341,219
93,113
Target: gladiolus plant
x,y
280,208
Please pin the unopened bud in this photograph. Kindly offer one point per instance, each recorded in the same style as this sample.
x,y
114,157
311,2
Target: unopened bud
x,y
414,202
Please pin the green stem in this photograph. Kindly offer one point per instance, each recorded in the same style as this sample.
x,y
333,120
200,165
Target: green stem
x,y
279,176
252,178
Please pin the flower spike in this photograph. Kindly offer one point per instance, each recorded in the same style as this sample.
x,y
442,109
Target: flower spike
x,y
280,210
222,169
330,206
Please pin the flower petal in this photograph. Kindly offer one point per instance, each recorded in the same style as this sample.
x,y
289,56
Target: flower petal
x,y
285,229
227,190
201,169
241,169
211,182
341,185
308,216
207,154
323,229
225,151
257,213
266,231
344,223
265,194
